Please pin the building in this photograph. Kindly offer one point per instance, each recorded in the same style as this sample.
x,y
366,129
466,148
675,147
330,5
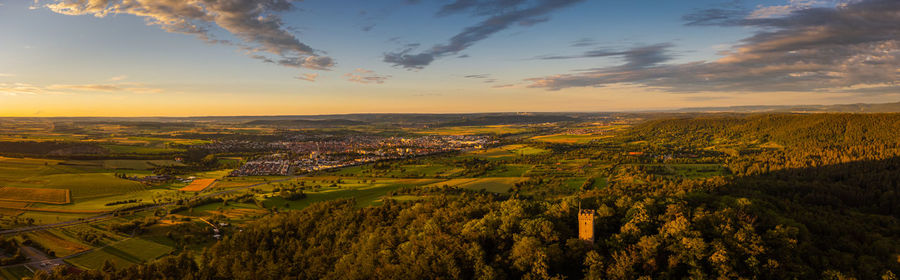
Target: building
x,y
586,225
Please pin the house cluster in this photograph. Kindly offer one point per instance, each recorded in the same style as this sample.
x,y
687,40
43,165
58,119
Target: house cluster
x,y
264,167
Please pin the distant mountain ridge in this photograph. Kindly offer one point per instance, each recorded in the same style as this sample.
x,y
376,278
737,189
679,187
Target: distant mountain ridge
x,y
838,108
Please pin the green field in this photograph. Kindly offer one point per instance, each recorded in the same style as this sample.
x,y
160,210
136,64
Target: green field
x,y
498,185
137,164
122,254
131,149
51,196
474,130
364,194
569,139
15,273
83,186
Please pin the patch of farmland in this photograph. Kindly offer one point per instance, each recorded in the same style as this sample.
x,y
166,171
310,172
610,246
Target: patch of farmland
x,y
137,164
49,196
122,254
83,186
497,185
15,272
12,208
198,185
452,182
61,245
569,139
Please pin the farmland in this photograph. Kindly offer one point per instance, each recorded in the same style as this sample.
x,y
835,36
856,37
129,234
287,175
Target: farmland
x,y
198,185
49,196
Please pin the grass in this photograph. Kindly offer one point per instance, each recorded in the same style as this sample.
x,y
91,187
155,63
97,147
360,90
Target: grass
x,y
122,254
129,149
498,185
58,242
569,139
509,170
524,150
15,273
364,194
49,196
83,186
474,130
41,218
137,164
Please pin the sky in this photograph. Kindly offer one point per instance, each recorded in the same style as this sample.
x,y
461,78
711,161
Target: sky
x,y
283,57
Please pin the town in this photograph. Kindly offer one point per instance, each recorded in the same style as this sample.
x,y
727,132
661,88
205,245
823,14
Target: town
x,y
289,157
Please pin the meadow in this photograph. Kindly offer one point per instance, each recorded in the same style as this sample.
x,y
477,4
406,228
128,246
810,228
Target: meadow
x,y
49,196
124,253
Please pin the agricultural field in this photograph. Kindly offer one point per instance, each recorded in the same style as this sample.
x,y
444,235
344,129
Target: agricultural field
x,y
124,253
15,273
474,130
497,185
198,185
48,196
137,164
570,139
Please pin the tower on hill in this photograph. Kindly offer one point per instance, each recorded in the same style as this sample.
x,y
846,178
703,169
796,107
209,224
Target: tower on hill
x,y
586,225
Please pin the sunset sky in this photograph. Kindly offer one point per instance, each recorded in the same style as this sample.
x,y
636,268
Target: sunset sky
x,y
280,57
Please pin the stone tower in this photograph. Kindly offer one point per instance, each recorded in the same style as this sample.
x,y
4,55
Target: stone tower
x,y
586,225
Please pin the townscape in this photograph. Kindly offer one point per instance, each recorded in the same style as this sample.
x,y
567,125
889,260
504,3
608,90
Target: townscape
x,y
311,156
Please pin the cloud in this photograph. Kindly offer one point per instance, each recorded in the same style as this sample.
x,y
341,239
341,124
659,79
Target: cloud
x,y
118,78
501,15
477,76
583,42
308,77
716,17
4,75
639,57
486,78
19,88
363,76
823,49
29,89
87,87
409,61
782,10
254,22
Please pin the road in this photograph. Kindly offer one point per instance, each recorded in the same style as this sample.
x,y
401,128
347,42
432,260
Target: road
x,y
39,260
145,208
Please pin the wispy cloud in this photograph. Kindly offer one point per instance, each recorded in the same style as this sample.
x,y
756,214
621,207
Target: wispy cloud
x,y
364,76
809,49
501,14
19,88
255,22
4,75
308,77
638,57
87,87
118,78
30,89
